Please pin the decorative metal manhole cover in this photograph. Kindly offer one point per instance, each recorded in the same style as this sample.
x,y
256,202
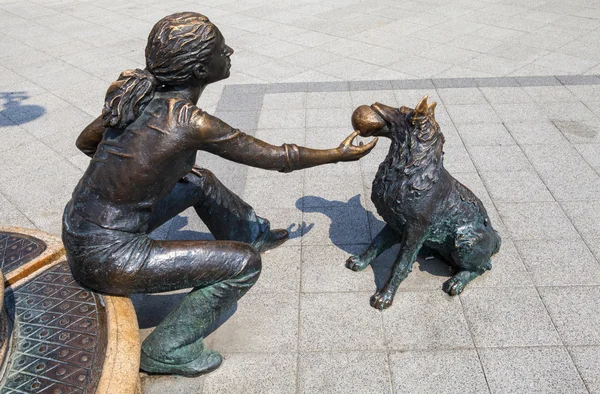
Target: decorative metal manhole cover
x,y
18,249
60,341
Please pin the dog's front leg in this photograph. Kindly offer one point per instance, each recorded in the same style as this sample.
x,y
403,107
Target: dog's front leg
x,y
412,240
386,238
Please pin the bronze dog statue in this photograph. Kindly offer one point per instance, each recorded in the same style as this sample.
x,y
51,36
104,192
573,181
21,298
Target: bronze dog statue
x,y
421,203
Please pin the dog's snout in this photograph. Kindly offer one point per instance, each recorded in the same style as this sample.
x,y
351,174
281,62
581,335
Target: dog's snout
x,y
386,112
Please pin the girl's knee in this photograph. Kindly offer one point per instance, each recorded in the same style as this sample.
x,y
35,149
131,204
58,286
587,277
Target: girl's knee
x,y
202,175
251,263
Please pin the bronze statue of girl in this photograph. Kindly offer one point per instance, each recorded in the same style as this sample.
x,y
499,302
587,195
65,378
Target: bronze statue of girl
x,y
143,173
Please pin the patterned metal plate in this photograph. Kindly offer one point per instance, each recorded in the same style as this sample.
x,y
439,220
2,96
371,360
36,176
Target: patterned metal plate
x,y
60,341
18,249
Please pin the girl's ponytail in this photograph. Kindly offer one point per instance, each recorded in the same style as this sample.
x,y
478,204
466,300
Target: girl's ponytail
x,y
127,96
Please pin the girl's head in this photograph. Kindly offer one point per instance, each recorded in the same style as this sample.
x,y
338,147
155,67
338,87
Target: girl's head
x,y
183,49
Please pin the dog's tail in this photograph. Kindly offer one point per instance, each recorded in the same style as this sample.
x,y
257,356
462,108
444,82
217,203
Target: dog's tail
x,y
498,243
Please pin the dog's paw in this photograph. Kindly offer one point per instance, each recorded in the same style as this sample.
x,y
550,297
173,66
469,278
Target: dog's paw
x,y
356,264
454,286
382,300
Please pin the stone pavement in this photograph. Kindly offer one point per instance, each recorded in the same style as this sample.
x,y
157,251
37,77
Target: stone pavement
x,y
518,98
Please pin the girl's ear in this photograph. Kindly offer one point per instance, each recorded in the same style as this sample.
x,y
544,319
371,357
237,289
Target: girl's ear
x,y
200,73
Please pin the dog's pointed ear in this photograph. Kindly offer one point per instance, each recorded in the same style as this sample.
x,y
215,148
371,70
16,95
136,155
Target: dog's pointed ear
x,y
431,107
421,108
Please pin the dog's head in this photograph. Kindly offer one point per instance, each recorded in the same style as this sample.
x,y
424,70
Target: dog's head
x,y
384,121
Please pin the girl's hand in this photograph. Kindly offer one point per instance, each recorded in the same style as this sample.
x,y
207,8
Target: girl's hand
x,y
350,152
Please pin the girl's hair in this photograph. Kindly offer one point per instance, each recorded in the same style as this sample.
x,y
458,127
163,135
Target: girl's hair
x,y
176,46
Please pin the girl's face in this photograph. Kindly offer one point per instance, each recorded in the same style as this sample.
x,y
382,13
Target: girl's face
x,y
220,62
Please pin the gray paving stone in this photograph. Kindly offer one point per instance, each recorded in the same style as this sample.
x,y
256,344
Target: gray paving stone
x,y
516,186
566,174
347,69
280,270
241,102
538,132
44,204
570,114
288,87
429,272
523,112
311,59
420,67
499,158
337,225
295,100
470,95
159,384
386,97
12,135
501,317
323,270
494,82
289,190
333,86
11,216
347,372
244,120
473,181
343,170
287,218
411,97
245,89
507,270
441,83
447,371
552,94
276,118
472,113
565,64
505,95
536,220
586,93
455,56
579,132
411,84
333,191
483,134
323,328
531,370
264,321
586,360
457,160
256,373
594,245
329,100
538,81
277,137
329,117
585,217
377,56
560,263
275,71
575,312
370,85
425,320
327,138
